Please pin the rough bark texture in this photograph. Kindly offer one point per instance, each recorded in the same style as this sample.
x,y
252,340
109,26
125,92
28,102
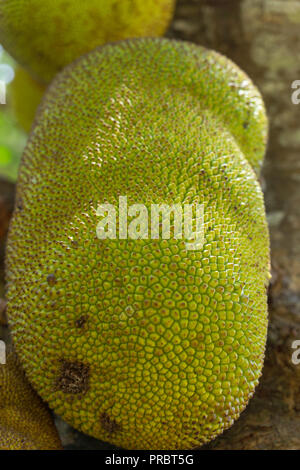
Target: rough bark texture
x,y
263,37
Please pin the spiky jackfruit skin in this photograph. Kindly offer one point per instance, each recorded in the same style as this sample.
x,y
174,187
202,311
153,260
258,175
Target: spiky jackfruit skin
x,y
25,422
142,343
26,94
44,36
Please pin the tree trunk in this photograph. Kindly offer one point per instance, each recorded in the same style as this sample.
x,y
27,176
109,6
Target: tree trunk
x,y
263,38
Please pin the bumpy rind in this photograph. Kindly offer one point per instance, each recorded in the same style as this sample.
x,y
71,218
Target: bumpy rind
x,y
25,421
141,342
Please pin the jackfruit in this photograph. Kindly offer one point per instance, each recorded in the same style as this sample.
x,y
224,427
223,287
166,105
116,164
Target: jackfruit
x,y
26,94
143,343
25,422
44,36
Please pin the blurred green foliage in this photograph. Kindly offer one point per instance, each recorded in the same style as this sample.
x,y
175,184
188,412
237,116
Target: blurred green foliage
x,y
12,138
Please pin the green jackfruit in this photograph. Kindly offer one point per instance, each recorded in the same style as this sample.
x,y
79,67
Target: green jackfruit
x,y
25,422
44,36
26,94
143,343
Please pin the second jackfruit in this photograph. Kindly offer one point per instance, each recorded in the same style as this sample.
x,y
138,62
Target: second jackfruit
x,y
44,36
25,421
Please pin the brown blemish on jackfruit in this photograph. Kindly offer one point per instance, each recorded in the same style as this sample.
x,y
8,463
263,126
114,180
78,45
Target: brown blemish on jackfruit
x,y
74,377
19,204
109,424
81,322
51,279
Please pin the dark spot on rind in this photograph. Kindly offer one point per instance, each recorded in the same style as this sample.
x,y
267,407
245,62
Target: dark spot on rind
x,y
118,281
108,424
81,321
73,378
19,204
51,279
